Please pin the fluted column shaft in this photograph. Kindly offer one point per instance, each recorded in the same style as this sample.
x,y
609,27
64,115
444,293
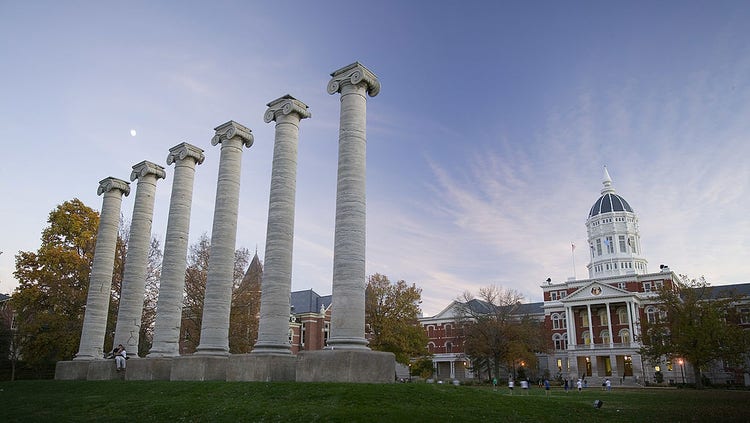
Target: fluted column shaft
x,y
348,312
100,282
217,302
130,312
169,305
276,288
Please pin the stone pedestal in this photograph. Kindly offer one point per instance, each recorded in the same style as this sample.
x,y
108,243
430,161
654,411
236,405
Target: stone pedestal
x,y
199,367
261,368
273,326
104,370
351,366
71,370
149,369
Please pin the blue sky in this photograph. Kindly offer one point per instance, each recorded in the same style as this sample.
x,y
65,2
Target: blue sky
x,y
485,144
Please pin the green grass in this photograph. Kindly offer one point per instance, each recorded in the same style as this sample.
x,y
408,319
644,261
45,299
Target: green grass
x,y
134,401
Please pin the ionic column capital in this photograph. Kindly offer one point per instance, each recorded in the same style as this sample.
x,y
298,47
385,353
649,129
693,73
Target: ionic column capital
x,y
284,106
111,183
184,150
230,130
147,168
354,74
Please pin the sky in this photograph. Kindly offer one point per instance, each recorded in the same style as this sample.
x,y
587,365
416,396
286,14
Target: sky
x,y
485,145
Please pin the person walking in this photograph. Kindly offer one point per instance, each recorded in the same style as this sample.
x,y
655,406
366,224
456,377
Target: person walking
x,y
567,386
579,385
510,385
546,387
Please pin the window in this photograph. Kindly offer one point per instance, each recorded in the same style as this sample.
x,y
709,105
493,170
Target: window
x,y
430,347
744,316
651,314
553,295
622,315
430,332
658,284
563,294
291,336
559,365
586,338
604,335
610,246
631,243
326,331
555,321
646,286
561,343
603,318
448,333
621,285
302,336
599,247
621,238
448,347
584,319
624,336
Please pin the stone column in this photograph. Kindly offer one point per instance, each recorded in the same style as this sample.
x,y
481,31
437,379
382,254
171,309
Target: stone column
x,y
168,319
277,270
609,327
629,305
348,308
591,327
130,312
216,305
571,320
100,281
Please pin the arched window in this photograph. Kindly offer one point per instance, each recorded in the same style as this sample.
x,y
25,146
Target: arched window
x,y
291,336
555,321
448,333
430,331
584,318
622,315
431,347
604,335
603,318
586,338
560,341
651,314
625,336
448,347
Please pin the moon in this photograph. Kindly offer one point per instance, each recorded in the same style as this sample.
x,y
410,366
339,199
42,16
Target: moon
x,y
132,133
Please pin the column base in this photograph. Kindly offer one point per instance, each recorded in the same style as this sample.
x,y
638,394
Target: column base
x,y
104,370
196,367
261,368
352,366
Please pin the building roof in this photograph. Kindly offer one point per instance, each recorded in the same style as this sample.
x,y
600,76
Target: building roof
x,y
308,301
4,298
721,291
609,203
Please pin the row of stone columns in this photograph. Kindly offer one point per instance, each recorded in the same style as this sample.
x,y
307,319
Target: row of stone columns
x,y
348,324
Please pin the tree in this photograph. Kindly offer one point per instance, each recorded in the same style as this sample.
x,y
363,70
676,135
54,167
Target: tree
x,y
195,289
245,312
53,284
392,311
495,335
695,322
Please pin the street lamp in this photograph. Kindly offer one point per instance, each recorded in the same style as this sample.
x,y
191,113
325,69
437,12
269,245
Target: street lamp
x,y
409,372
682,368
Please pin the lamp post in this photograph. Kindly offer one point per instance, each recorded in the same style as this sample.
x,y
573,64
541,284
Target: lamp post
x,y
682,369
409,372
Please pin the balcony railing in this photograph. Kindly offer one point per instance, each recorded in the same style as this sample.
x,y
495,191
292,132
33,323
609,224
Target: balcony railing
x,y
603,346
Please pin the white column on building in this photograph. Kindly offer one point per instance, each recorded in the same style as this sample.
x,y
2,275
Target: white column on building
x,y
168,319
570,317
609,327
217,302
100,282
277,272
354,82
629,305
591,327
453,369
129,314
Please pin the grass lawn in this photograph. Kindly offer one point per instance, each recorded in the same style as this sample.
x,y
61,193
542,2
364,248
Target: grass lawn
x,y
136,401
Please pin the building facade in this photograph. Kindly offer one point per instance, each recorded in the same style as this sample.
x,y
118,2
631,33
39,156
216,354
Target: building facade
x,y
594,324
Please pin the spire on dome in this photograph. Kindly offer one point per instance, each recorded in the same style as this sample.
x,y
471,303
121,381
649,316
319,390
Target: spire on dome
x,y
607,182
